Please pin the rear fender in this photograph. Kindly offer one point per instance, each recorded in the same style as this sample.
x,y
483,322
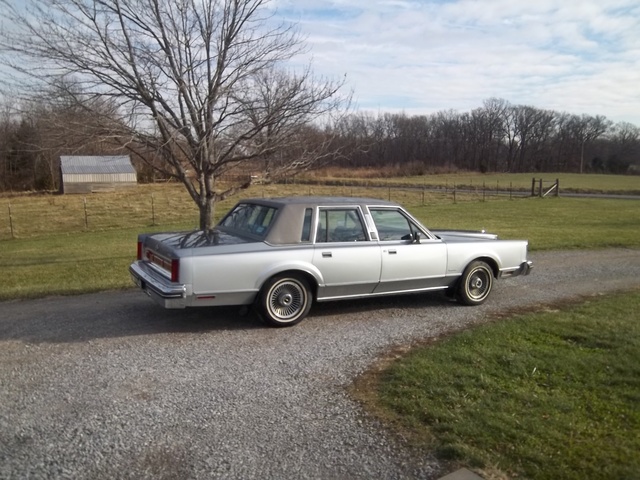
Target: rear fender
x,y
309,270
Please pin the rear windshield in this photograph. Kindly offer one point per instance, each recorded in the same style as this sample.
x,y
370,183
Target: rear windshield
x,y
249,219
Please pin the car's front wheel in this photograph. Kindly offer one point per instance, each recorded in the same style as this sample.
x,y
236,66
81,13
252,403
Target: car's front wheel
x,y
475,283
284,300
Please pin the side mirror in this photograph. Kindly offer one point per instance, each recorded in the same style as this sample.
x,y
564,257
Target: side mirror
x,y
416,237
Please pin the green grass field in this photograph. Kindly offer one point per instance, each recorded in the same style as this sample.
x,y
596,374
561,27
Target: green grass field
x,y
74,244
569,182
541,396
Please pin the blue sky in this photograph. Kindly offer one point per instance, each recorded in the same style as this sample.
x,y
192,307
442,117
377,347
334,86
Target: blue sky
x,y
424,56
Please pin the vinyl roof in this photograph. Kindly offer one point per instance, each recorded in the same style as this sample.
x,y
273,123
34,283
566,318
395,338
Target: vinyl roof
x,y
96,164
323,201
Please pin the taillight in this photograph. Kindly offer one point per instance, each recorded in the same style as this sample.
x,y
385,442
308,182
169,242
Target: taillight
x,y
139,250
175,270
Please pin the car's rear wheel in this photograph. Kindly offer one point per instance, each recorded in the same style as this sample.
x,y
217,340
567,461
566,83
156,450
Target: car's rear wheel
x,y
284,300
475,284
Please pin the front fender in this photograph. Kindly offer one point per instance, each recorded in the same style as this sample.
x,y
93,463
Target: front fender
x,y
458,259
502,254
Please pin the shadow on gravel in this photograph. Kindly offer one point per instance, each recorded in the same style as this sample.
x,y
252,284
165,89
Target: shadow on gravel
x,y
92,317
126,314
380,305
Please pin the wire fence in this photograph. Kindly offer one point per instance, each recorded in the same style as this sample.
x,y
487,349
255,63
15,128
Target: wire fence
x,y
169,206
35,215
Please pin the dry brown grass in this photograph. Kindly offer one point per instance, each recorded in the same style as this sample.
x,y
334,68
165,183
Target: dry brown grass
x,y
166,206
145,205
403,170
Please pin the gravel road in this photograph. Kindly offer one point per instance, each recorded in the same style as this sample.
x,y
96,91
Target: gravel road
x,y
111,386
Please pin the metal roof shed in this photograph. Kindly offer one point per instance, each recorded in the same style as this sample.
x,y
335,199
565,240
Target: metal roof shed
x,y
89,174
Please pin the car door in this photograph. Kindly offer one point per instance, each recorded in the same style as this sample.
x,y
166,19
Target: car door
x,y
411,259
347,258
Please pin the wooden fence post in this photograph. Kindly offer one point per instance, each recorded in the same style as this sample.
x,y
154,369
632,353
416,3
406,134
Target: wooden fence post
x,y
153,211
533,187
557,187
540,191
11,222
86,217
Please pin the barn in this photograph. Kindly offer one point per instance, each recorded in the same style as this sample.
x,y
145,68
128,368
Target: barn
x,y
90,174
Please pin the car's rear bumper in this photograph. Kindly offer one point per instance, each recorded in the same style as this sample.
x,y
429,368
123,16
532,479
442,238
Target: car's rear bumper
x,y
159,288
523,269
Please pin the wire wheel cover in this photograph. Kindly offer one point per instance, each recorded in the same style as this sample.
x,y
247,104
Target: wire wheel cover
x,y
287,300
479,283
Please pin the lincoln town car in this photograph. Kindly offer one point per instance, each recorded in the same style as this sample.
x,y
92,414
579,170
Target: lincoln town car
x,y
280,255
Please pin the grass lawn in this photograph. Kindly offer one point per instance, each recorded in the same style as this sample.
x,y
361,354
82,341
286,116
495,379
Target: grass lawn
x,y
569,182
548,224
66,263
542,396
60,250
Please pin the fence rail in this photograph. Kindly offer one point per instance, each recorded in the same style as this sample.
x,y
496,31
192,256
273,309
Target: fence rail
x,y
169,206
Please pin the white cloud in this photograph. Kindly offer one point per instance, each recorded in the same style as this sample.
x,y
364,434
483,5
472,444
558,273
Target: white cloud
x,y
581,56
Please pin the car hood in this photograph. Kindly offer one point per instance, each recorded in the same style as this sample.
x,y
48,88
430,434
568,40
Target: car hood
x,y
463,235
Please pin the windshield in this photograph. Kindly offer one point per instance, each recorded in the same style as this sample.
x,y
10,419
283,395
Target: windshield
x,y
250,219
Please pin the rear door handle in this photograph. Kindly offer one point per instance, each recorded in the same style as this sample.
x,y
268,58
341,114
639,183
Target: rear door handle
x,y
327,255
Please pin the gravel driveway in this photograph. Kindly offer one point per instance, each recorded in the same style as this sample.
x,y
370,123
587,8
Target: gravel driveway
x,y
111,386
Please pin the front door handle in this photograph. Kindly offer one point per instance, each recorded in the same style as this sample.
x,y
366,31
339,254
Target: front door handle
x,y
327,255
392,252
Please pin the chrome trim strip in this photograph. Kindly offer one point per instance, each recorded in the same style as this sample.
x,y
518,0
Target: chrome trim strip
x,y
381,294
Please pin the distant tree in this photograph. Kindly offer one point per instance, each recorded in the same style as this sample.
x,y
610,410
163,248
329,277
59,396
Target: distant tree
x,y
201,84
8,126
530,131
586,129
355,132
624,147
490,120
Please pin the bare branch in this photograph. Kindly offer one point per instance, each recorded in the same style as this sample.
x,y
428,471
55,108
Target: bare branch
x,y
200,83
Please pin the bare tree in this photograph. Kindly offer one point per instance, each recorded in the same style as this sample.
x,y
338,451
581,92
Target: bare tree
x,y
586,129
200,83
624,148
494,113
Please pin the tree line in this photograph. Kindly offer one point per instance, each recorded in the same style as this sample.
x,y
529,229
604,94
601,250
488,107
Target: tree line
x,y
497,137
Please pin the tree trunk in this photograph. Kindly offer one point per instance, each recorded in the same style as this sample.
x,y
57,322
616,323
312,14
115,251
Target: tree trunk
x,y
205,199
206,214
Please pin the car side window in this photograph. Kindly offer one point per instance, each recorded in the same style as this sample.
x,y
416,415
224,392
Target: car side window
x,y
391,225
340,225
306,225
